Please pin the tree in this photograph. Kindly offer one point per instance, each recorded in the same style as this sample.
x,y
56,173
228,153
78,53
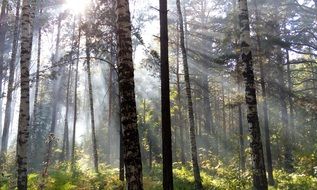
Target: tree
x,y
165,101
258,167
264,105
197,177
132,154
7,119
24,113
91,102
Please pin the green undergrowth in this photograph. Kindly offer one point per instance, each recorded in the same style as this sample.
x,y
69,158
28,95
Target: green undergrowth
x,y
218,177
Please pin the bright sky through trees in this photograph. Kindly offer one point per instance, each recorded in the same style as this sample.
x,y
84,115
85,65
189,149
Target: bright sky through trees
x,y
77,6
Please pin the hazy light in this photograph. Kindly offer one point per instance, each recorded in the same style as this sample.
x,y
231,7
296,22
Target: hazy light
x,y
77,6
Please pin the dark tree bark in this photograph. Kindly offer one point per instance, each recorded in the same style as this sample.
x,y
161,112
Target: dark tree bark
x,y
165,101
198,184
24,113
132,154
258,167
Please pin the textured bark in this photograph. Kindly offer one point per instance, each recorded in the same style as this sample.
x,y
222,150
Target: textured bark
x,y
24,113
7,118
198,184
165,101
258,167
91,102
132,154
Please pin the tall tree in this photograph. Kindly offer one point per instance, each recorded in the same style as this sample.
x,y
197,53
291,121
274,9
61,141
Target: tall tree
x,y
24,111
165,101
7,118
258,167
75,99
91,102
132,153
3,30
264,104
197,177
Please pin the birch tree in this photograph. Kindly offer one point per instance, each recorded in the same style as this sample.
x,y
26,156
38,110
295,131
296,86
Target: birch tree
x,y
132,154
258,167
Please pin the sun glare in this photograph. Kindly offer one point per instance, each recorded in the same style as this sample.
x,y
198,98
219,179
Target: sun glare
x,y
77,6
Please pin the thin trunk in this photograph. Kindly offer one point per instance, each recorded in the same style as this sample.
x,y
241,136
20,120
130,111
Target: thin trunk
x,y
288,155
24,112
110,111
224,125
65,148
264,107
179,111
132,154
92,114
55,97
208,119
7,119
258,166
3,31
197,177
165,101
75,101
290,99
241,132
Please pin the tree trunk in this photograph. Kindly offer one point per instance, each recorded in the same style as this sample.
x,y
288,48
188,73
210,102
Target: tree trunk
x,y
75,100
132,154
110,111
7,118
92,114
258,167
165,101
56,95
288,156
265,108
24,113
197,177
65,147
224,125
3,31
179,111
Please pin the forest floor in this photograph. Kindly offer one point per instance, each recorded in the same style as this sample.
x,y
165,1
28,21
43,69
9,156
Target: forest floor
x,y
219,177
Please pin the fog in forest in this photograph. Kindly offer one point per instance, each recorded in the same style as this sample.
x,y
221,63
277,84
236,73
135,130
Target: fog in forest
x,y
240,110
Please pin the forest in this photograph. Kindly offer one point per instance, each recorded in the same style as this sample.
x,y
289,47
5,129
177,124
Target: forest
x,y
157,94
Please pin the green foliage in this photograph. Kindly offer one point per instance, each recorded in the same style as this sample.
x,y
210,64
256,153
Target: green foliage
x,y
214,173
294,181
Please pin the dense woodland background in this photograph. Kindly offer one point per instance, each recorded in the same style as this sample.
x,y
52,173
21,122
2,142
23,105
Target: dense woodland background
x,y
67,65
